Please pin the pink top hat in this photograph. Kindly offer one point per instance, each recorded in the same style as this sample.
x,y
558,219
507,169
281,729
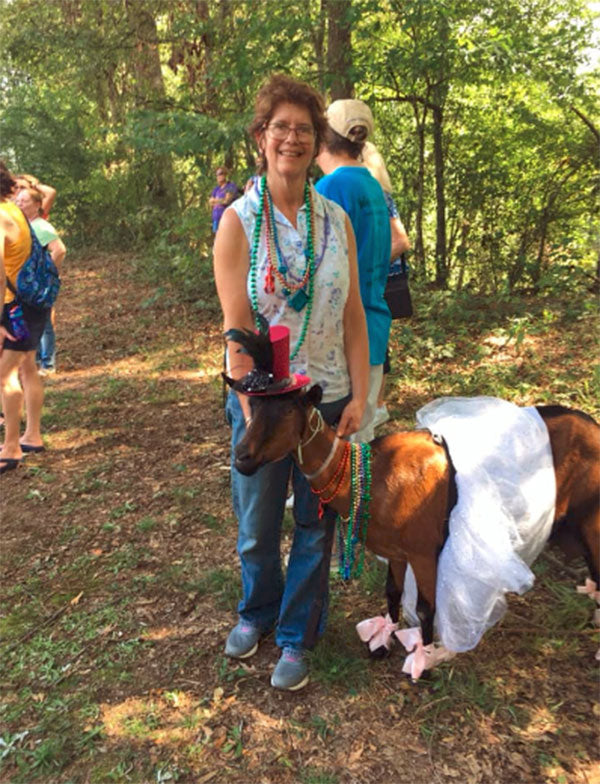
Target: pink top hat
x,y
282,380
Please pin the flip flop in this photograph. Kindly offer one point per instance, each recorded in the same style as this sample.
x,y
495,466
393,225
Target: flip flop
x,y
30,448
9,464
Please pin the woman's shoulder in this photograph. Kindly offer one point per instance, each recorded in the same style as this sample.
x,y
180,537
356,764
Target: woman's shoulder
x,y
13,214
42,223
10,210
247,204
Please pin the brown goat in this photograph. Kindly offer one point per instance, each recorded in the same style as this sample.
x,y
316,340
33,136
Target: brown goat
x,y
413,488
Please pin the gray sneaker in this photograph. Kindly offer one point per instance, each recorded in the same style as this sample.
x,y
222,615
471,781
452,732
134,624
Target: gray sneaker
x,y
242,641
291,672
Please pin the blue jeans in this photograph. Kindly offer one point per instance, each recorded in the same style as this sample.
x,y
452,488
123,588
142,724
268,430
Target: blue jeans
x,y
296,606
46,353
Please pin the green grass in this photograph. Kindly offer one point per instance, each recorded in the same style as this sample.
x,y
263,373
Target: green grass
x,y
146,524
339,660
222,585
372,579
312,775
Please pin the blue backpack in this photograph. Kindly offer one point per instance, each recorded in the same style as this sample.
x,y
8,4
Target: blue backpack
x,y
38,281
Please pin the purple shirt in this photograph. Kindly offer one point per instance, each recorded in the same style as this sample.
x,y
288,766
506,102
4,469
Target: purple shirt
x,y
219,193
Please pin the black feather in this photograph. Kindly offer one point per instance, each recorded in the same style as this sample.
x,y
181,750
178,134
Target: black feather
x,y
258,346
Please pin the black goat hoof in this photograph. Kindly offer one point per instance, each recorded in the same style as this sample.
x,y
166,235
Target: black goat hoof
x,y
379,653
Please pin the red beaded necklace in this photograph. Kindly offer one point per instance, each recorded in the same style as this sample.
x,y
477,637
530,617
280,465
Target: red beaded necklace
x,y
274,266
338,475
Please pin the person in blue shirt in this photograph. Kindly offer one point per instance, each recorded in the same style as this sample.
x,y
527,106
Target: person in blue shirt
x,y
352,186
372,160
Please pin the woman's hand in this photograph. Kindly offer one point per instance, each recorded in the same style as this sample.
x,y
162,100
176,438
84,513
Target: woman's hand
x,y
351,418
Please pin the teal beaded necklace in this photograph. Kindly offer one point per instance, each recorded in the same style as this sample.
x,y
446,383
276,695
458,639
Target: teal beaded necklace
x,y
300,298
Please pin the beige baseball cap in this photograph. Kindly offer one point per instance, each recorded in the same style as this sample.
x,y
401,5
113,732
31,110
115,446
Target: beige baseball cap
x,y
347,114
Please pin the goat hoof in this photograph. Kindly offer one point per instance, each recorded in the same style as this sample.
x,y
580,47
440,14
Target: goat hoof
x,y
379,653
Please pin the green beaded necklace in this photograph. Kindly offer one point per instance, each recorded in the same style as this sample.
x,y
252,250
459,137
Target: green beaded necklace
x,y
358,519
306,300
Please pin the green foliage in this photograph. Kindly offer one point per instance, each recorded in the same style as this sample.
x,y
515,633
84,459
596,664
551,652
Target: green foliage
x,y
128,114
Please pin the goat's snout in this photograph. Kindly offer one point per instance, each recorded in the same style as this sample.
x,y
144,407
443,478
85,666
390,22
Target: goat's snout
x,y
245,463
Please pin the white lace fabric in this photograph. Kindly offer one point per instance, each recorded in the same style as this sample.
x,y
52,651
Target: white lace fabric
x,y
503,516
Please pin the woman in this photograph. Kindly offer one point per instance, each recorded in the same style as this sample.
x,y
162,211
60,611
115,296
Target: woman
x,y
31,201
328,342
20,333
349,184
48,193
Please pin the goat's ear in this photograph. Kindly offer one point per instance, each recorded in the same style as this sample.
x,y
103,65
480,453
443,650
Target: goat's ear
x,y
313,396
229,381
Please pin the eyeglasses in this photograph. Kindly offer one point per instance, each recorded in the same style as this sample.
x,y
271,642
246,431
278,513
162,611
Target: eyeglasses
x,y
281,130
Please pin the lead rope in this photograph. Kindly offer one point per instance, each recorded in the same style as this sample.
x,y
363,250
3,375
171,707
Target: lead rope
x,y
328,460
319,429
313,433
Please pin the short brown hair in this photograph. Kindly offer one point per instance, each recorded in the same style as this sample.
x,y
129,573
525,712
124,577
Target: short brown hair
x,y
335,143
281,88
7,181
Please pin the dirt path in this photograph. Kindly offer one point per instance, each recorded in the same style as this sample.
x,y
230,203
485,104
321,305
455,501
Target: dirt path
x,y
120,582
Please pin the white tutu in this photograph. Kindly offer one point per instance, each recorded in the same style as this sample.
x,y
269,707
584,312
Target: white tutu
x,y
502,519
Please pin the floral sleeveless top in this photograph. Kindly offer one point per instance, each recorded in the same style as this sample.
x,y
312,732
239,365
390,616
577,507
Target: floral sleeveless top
x,y
322,355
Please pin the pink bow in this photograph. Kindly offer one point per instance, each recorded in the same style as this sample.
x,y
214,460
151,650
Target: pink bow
x,y
415,662
421,657
590,588
377,631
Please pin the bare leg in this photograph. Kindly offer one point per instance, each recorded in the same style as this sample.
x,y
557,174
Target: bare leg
x,y
33,389
12,402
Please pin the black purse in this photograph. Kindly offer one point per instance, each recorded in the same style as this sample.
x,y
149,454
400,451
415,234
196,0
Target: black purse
x,y
397,293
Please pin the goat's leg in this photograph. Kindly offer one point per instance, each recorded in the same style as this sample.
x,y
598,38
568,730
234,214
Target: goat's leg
x,y
589,530
425,569
394,586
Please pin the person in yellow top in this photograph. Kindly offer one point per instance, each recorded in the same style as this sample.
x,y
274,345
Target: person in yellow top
x,y
17,351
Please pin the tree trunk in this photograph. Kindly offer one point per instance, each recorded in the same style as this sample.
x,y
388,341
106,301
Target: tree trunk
x,y
441,261
516,271
339,47
318,41
210,105
461,253
149,93
419,247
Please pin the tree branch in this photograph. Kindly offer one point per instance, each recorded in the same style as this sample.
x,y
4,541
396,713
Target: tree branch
x,y
587,121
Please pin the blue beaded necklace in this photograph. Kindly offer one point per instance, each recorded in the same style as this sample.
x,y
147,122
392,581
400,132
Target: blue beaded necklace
x,y
298,297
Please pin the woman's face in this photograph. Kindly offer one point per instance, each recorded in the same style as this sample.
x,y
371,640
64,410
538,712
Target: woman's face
x,y
27,203
293,154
